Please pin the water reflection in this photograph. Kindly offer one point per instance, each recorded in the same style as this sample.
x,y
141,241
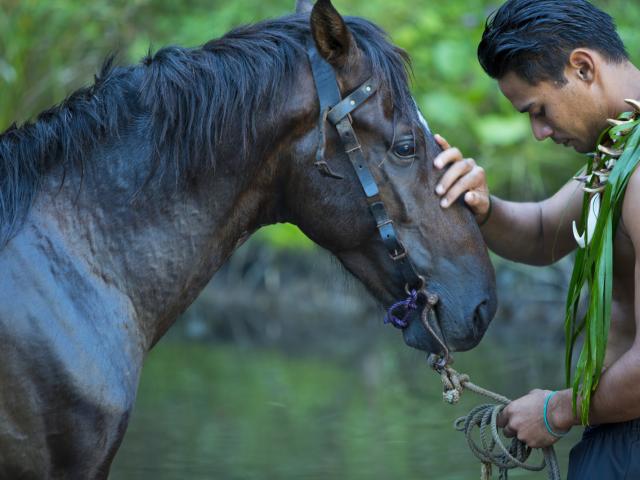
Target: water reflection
x,y
231,412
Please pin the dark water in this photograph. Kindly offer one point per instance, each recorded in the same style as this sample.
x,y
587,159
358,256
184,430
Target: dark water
x,y
231,412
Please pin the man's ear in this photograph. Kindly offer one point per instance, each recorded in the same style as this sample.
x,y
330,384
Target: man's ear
x,y
331,35
583,65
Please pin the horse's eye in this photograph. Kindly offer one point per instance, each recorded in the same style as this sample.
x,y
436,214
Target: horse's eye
x,y
405,149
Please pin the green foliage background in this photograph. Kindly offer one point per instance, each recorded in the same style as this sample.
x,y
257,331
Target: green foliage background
x,y
49,48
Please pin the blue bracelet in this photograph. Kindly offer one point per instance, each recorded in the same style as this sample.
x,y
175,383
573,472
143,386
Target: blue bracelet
x,y
546,421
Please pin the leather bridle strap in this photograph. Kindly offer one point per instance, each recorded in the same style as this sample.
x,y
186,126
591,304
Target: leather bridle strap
x,y
339,115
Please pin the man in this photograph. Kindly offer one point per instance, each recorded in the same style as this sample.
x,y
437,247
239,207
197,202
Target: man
x,y
563,63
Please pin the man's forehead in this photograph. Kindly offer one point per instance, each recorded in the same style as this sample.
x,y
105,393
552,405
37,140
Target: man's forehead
x,y
520,92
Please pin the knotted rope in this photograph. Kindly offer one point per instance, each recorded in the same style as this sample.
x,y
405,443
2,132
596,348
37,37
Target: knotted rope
x,y
412,304
491,449
408,305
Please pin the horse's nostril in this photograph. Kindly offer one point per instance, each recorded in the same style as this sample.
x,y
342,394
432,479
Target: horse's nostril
x,y
481,316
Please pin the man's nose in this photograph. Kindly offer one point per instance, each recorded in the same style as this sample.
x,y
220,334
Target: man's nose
x,y
541,130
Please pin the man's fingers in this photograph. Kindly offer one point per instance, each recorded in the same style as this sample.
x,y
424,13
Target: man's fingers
x,y
454,175
463,177
460,178
442,142
476,198
473,199
502,420
450,155
471,184
478,201
462,187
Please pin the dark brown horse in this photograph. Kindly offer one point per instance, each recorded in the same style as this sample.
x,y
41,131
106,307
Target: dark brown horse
x,y
118,206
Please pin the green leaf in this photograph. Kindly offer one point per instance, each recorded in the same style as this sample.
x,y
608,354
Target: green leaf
x,y
594,268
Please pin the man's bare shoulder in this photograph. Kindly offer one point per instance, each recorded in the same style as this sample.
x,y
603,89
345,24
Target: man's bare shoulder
x,y
631,208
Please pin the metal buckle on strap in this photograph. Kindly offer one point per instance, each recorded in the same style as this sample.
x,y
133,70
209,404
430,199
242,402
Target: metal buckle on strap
x,y
421,286
396,255
375,199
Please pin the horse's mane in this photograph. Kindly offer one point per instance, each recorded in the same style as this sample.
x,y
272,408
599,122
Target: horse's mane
x,y
187,100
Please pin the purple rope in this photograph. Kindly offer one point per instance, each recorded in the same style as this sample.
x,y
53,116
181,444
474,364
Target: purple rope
x,y
410,304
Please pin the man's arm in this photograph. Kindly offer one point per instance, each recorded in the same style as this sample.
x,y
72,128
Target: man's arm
x,y
534,233
617,398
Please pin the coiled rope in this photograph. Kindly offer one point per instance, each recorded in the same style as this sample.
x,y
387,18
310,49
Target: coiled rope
x,y
491,451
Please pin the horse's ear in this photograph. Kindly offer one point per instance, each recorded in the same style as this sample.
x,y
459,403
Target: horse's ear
x,y
331,35
303,6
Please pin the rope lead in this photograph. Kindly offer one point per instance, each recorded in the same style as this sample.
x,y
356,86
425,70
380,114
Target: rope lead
x,y
491,450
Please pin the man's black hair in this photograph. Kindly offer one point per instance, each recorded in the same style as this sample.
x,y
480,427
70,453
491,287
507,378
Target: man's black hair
x,y
534,38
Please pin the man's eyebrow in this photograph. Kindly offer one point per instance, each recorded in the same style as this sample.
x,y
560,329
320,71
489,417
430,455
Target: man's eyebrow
x,y
526,109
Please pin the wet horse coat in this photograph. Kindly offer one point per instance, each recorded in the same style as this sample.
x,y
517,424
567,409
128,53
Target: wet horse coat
x,y
118,206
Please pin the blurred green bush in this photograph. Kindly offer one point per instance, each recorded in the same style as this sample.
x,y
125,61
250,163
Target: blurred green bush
x,y
47,49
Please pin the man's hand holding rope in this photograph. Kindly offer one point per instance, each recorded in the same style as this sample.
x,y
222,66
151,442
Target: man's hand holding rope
x,y
524,418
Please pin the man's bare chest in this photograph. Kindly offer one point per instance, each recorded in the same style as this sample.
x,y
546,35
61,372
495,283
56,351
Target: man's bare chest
x,y
623,307
624,259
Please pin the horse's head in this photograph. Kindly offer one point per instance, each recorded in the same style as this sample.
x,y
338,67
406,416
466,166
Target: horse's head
x,y
325,198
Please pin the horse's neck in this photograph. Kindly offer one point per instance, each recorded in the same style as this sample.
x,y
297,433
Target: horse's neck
x,y
160,249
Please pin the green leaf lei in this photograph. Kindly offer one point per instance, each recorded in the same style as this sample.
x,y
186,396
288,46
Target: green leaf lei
x,y
605,181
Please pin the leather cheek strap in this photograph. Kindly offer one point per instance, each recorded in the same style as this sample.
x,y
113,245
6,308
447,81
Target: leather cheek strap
x,y
339,115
